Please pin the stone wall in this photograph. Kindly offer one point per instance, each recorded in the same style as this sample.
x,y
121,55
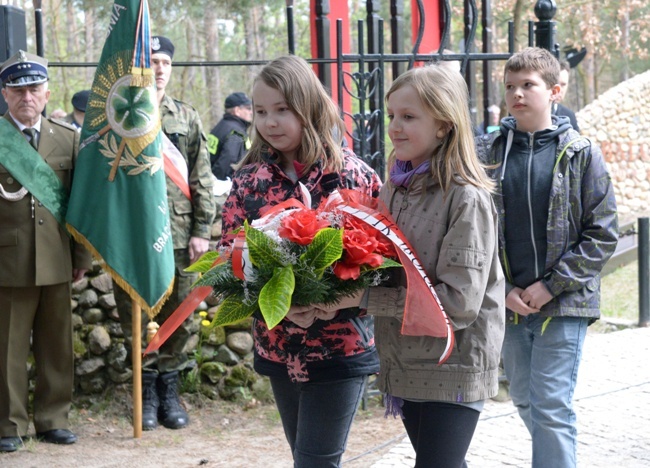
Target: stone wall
x,y
619,122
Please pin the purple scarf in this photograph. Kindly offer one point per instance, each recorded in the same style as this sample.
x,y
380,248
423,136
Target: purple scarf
x,y
393,406
402,172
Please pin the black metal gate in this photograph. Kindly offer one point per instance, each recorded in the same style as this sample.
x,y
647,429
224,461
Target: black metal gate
x,y
366,85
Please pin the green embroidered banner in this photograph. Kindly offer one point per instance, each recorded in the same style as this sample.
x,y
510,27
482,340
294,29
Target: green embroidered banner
x,y
118,205
30,169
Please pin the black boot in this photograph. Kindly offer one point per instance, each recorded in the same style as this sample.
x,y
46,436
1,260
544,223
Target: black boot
x,y
171,414
150,402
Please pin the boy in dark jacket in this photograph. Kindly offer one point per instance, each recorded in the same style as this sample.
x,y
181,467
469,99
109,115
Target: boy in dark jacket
x,y
557,229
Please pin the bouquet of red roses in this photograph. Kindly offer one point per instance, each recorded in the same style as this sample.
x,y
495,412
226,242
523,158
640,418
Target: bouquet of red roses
x,y
294,255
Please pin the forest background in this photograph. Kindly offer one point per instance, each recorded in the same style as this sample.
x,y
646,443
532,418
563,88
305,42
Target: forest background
x,y
616,34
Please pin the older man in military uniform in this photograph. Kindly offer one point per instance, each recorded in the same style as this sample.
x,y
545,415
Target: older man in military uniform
x,y
192,211
37,258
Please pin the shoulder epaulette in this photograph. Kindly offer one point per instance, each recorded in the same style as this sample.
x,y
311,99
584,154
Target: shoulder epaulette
x,y
62,123
180,104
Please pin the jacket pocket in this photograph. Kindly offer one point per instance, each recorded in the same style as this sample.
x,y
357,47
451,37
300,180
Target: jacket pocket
x,y
182,206
465,257
62,166
181,220
584,299
421,351
177,134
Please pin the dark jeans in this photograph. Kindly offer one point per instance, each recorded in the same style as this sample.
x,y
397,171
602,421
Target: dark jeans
x,y
317,417
439,432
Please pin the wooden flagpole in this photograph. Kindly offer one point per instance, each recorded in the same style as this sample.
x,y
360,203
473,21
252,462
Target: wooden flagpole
x,y
136,365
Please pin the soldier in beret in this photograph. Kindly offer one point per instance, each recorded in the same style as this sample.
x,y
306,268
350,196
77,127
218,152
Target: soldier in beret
x,y
192,211
76,117
79,102
38,260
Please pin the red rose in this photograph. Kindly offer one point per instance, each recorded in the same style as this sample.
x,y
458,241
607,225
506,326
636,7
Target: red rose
x,y
359,248
384,246
301,226
352,222
346,272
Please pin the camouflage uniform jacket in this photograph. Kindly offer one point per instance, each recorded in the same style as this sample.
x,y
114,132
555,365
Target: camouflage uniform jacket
x,y
182,125
582,227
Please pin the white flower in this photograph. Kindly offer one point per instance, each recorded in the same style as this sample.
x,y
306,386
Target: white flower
x,y
270,224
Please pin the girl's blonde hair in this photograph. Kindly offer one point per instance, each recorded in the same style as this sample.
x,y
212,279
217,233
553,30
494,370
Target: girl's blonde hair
x,y
443,93
322,127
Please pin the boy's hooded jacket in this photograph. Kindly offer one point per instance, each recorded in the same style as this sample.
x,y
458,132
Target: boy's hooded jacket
x,y
562,224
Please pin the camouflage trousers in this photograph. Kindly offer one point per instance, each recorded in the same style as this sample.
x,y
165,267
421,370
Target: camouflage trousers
x,y
172,355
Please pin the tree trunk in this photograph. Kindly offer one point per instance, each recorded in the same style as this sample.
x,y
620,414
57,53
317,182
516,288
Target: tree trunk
x,y
188,73
517,20
625,40
213,74
89,34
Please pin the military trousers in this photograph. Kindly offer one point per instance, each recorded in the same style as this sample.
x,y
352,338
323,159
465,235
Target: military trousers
x,y
43,315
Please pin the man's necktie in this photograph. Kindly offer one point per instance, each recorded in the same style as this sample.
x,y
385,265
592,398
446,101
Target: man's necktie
x,y
31,132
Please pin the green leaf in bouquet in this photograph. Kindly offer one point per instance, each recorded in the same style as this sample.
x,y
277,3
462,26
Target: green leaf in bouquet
x,y
204,263
325,249
210,277
310,286
262,250
388,263
275,296
232,310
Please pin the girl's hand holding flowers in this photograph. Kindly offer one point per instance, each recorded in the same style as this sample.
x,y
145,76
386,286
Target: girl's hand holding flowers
x,y
330,311
326,315
303,316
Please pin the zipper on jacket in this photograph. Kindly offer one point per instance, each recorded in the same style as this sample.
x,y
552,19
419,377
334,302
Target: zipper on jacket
x,y
502,251
530,206
401,206
359,324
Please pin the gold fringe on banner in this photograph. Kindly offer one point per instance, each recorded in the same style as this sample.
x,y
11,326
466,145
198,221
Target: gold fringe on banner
x,y
141,77
135,297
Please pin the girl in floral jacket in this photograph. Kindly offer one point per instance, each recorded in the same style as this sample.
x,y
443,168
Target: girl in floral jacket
x,y
317,368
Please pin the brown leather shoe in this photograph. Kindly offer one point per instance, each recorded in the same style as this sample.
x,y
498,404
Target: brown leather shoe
x,y
57,436
10,444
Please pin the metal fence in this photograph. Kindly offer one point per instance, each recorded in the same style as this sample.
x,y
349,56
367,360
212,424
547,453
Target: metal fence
x,y
366,84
